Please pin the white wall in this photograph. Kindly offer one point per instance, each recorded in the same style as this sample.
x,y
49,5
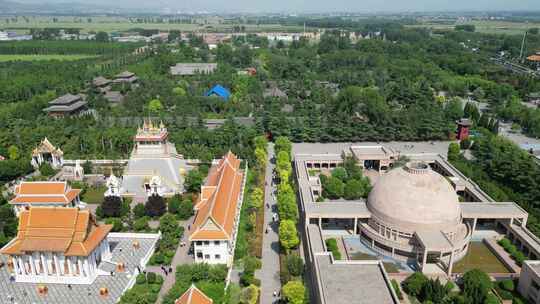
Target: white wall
x,y
210,250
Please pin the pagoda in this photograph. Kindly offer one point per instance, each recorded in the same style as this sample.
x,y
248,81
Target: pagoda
x,y
153,159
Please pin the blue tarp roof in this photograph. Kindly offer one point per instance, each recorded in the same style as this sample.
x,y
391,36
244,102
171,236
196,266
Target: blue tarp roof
x,y
219,91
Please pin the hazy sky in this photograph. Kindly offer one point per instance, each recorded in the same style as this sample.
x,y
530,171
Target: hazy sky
x,y
319,5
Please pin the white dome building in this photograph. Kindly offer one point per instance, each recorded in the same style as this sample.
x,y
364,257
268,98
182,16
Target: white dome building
x,y
415,214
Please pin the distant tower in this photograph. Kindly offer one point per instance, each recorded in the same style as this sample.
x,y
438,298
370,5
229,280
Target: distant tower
x,y
463,126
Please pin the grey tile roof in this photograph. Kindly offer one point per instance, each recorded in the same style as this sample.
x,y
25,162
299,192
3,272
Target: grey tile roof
x,y
122,251
66,108
114,96
184,69
65,99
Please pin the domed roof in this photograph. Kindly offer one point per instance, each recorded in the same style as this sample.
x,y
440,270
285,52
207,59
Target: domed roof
x,y
413,198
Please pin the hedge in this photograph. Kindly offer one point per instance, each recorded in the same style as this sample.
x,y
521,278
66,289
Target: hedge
x,y
331,245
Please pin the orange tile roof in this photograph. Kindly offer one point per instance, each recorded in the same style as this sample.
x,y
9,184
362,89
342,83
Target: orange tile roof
x,y
219,201
193,296
44,192
71,231
534,57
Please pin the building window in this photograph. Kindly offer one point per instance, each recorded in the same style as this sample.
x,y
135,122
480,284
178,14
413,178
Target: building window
x,y
207,257
535,285
216,243
199,243
206,243
199,255
218,257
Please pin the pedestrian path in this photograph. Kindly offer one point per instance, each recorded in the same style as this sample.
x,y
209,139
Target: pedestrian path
x,y
180,257
269,273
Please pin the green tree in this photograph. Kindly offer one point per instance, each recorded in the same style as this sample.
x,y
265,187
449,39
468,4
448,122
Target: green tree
x,y
283,144
340,173
116,222
354,189
288,236
261,157
256,198
186,209
476,286
46,170
453,152
295,265
155,206
179,91
332,187
194,180
13,153
260,142
155,106
102,37
138,210
414,284
249,295
111,206
174,204
294,292
283,161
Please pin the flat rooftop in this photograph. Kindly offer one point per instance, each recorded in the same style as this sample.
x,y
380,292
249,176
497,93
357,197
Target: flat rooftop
x,y
122,251
337,209
359,282
492,210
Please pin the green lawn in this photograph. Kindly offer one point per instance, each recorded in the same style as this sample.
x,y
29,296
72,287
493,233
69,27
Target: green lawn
x,y
113,24
479,256
4,58
490,27
94,195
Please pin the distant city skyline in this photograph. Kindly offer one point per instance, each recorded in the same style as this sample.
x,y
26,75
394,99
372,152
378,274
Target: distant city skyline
x,y
304,6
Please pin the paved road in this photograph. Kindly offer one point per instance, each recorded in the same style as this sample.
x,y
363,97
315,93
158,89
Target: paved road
x,y
180,257
269,273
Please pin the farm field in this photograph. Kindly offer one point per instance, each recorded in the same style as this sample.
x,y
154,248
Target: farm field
x,y
5,58
113,24
489,27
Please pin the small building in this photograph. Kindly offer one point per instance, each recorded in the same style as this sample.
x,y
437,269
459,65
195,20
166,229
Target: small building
x,y
45,194
66,105
220,92
101,82
274,92
217,213
47,153
529,281
190,69
125,77
380,158
193,296
58,245
463,126
114,97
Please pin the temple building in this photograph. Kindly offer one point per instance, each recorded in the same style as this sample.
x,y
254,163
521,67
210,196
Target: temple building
x,y
217,213
154,165
463,126
58,245
125,77
47,153
193,296
45,194
66,105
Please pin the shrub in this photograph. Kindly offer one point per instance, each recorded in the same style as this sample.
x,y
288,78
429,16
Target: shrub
x,y
251,264
288,236
294,292
507,285
99,212
517,301
141,224
249,295
395,285
116,222
138,210
505,243
151,277
331,244
141,279
414,283
332,188
519,257
193,181
491,299
46,170
505,294
465,143
185,210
